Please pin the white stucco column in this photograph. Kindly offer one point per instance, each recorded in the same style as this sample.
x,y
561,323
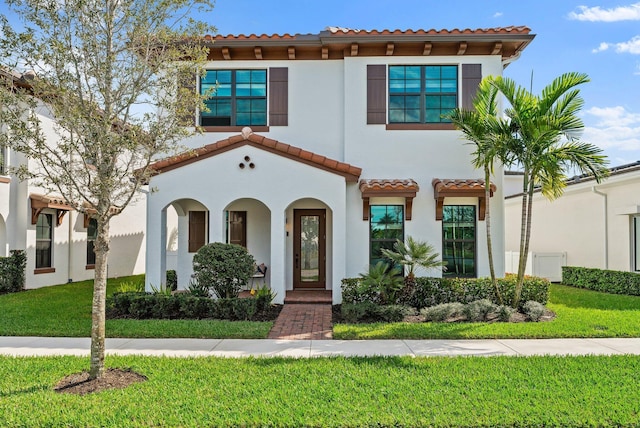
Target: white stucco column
x,y
339,251
277,264
155,262
184,262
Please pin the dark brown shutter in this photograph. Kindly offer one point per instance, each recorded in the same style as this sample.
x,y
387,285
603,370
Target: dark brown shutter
x,y
279,96
187,87
376,94
471,77
238,228
197,230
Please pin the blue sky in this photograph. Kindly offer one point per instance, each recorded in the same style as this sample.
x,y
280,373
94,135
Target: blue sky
x,y
600,38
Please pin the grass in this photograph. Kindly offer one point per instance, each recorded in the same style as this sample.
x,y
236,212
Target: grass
x,y
580,313
65,310
391,391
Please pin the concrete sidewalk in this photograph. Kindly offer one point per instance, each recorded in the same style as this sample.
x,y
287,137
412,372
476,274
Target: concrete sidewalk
x,y
41,346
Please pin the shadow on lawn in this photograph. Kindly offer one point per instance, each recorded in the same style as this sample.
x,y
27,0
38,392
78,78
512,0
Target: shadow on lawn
x,y
573,297
29,390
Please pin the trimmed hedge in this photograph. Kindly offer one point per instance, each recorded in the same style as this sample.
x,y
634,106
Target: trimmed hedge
x,y
367,312
435,291
182,306
607,281
12,272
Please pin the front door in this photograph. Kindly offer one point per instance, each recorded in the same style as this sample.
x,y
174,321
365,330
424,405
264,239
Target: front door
x,y
309,249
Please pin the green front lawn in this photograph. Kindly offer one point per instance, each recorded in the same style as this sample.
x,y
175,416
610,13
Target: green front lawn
x,y
65,310
580,313
397,391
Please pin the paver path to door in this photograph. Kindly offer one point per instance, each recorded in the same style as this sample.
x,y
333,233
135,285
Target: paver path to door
x,y
303,322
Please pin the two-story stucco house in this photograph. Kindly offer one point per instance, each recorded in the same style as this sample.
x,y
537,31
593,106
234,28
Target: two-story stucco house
x,y
59,240
319,150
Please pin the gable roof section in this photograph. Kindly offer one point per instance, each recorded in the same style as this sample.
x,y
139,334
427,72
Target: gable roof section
x,y
338,43
349,172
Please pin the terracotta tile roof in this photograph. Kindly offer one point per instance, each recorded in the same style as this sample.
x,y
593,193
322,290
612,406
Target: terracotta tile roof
x,y
48,201
338,43
446,187
443,188
340,31
350,172
406,189
374,187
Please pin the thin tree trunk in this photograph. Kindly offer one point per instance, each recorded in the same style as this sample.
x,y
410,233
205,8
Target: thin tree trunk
x,y
487,221
99,296
522,257
525,244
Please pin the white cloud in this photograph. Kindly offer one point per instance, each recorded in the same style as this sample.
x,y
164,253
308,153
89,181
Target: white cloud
x,y
497,14
595,14
615,128
632,46
637,70
603,47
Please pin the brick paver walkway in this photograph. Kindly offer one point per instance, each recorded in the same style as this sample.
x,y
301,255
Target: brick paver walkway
x,y
303,322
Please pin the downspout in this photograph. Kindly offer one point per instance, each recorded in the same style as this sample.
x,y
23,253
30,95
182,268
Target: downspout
x,y
606,225
69,251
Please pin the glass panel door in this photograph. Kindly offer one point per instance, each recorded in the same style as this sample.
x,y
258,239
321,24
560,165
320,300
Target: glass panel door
x,y
309,249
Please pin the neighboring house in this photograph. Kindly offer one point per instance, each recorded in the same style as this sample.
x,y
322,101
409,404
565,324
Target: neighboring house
x,y
319,150
59,240
591,225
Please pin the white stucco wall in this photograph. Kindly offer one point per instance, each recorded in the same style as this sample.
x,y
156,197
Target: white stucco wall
x,y
578,224
327,115
219,184
69,239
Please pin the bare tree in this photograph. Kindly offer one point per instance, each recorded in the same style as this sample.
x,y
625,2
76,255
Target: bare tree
x,y
107,73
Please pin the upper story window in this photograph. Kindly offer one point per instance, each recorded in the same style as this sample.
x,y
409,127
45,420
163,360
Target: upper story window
x,y
417,96
238,98
422,93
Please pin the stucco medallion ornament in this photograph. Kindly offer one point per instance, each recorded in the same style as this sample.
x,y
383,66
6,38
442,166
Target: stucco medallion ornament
x,y
246,132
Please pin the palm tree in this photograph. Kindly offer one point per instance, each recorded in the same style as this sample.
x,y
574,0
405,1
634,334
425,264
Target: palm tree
x,y
488,132
413,254
544,142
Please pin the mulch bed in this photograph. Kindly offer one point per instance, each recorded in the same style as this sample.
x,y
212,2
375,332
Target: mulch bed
x,y
80,384
416,318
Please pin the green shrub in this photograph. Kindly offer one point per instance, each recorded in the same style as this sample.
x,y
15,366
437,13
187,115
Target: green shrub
x,y
198,290
223,268
478,310
533,310
12,272
608,281
264,298
181,305
434,291
442,311
119,303
172,280
504,313
355,291
364,312
131,287
384,280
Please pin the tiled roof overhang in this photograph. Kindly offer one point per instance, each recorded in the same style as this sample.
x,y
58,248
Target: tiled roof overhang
x,y
40,202
349,172
443,188
388,188
338,43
